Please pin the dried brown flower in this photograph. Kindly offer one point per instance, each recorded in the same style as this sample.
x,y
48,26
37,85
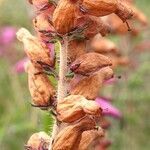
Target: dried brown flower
x,y
64,16
75,107
38,141
41,89
37,51
89,137
105,7
90,86
89,63
69,137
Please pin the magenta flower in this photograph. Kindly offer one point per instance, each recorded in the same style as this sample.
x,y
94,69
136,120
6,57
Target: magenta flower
x,y
7,35
19,66
108,108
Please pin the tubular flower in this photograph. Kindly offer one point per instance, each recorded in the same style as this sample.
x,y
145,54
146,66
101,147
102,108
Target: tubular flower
x,y
41,89
88,63
75,107
37,52
90,86
69,137
89,137
63,22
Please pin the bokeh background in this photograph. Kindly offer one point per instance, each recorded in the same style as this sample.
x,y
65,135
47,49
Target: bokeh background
x,y
131,94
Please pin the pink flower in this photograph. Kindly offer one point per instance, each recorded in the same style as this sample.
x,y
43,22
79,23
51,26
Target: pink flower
x,y
111,81
19,66
8,34
108,109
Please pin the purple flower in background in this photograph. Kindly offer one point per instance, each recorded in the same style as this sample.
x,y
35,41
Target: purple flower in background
x,y
111,81
108,108
19,66
7,35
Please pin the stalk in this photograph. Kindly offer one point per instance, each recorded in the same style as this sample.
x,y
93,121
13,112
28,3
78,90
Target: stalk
x,y
62,82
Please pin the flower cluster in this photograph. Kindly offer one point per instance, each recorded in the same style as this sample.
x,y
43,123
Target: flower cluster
x,y
86,63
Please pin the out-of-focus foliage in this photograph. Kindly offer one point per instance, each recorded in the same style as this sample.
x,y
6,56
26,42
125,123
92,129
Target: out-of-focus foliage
x,y
131,94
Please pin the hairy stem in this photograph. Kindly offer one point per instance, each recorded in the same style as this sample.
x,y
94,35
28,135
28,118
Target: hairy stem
x,y
62,83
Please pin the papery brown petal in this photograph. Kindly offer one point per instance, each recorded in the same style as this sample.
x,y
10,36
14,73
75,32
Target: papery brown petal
x,y
38,141
89,87
34,48
75,107
64,16
88,138
103,45
76,48
89,63
41,89
69,137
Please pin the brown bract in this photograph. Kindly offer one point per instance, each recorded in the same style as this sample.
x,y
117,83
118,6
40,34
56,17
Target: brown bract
x,y
37,52
89,137
41,89
89,63
89,87
76,48
64,16
75,107
38,141
69,137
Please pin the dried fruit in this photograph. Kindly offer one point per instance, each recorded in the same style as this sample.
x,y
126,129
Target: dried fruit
x,y
89,87
38,141
76,48
75,107
89,137
37,52
41,89
64,16
69,137
89,63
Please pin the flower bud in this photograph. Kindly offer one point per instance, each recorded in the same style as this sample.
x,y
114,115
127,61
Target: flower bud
x,y
75,107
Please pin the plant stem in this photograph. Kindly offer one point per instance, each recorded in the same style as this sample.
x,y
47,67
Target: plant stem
x,y
62,83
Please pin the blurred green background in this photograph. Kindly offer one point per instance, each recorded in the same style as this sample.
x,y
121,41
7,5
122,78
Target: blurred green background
x,y
131,94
